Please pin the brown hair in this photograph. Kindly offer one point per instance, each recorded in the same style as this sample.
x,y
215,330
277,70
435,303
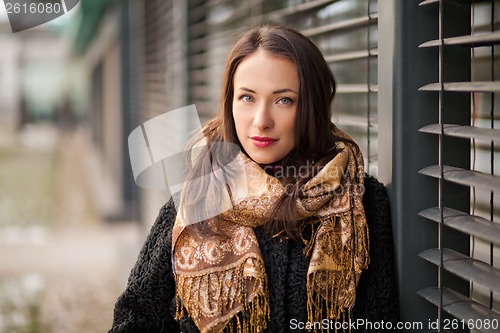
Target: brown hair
x,y
314,140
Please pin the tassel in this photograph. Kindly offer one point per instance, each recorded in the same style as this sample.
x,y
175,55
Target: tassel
x,y
309,243
331,290
252,318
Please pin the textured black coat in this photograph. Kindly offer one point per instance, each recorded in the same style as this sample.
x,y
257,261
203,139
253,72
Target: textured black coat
x,y
146,306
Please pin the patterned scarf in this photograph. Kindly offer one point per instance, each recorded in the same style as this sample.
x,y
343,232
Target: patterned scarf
x,y
220,277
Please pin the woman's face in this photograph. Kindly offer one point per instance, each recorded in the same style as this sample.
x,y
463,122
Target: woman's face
x,y
266,91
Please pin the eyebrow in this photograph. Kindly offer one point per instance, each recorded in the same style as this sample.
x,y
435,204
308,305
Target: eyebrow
x,y
279,91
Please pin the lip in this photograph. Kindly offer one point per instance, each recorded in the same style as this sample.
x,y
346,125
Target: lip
x,y
262,141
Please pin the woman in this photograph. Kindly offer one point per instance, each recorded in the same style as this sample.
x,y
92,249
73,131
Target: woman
x,y
287,251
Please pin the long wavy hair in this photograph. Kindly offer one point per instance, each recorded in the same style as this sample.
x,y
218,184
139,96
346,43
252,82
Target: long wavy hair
x,y
314,140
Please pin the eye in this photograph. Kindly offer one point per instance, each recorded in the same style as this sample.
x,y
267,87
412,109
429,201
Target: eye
x,y
246,98
285,101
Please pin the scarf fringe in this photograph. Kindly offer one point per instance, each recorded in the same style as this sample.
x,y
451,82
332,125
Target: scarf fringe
x,y
235,313
326,299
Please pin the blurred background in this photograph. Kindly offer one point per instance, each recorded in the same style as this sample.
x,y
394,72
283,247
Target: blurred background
x,y
72,219
62,262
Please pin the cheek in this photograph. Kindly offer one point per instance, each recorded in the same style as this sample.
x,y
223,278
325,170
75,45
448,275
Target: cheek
x,y
289,127
239,122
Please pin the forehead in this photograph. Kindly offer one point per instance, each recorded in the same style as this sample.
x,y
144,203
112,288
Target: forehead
x,y
263,69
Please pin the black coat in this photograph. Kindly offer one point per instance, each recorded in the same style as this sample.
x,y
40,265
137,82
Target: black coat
x,y
147,305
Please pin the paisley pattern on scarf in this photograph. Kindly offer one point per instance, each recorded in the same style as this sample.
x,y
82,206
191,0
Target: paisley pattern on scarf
x,y
220,276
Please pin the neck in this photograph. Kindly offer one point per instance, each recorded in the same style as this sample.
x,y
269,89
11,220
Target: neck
x,y
272,168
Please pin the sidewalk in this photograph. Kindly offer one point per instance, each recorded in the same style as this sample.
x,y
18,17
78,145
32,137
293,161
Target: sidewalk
x,y
62,268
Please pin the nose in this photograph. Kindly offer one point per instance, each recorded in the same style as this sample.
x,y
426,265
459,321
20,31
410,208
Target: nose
x,y
263,118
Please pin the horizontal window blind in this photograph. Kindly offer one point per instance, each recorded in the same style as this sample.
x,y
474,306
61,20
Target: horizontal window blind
x,y
197,55
157,15
348,39
157,85
479,311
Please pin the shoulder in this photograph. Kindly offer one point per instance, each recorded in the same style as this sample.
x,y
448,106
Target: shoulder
x,y
159,238
378,214
168,211
375,194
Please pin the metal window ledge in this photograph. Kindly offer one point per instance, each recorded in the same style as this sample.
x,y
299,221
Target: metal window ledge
x,y
465,267
344,25
428,2
467,132
356,88
461,307
464,177
298,9
237,13
476,40
354,55
469,224
477,86
357,121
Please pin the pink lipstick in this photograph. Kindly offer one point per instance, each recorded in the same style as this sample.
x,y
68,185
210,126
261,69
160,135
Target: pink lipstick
x,y
262,141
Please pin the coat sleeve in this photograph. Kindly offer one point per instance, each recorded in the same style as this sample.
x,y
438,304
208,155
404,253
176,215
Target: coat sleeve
x,y
145,305
376,296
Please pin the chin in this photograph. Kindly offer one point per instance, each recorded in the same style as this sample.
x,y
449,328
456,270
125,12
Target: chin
x,y
264,161
261,159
